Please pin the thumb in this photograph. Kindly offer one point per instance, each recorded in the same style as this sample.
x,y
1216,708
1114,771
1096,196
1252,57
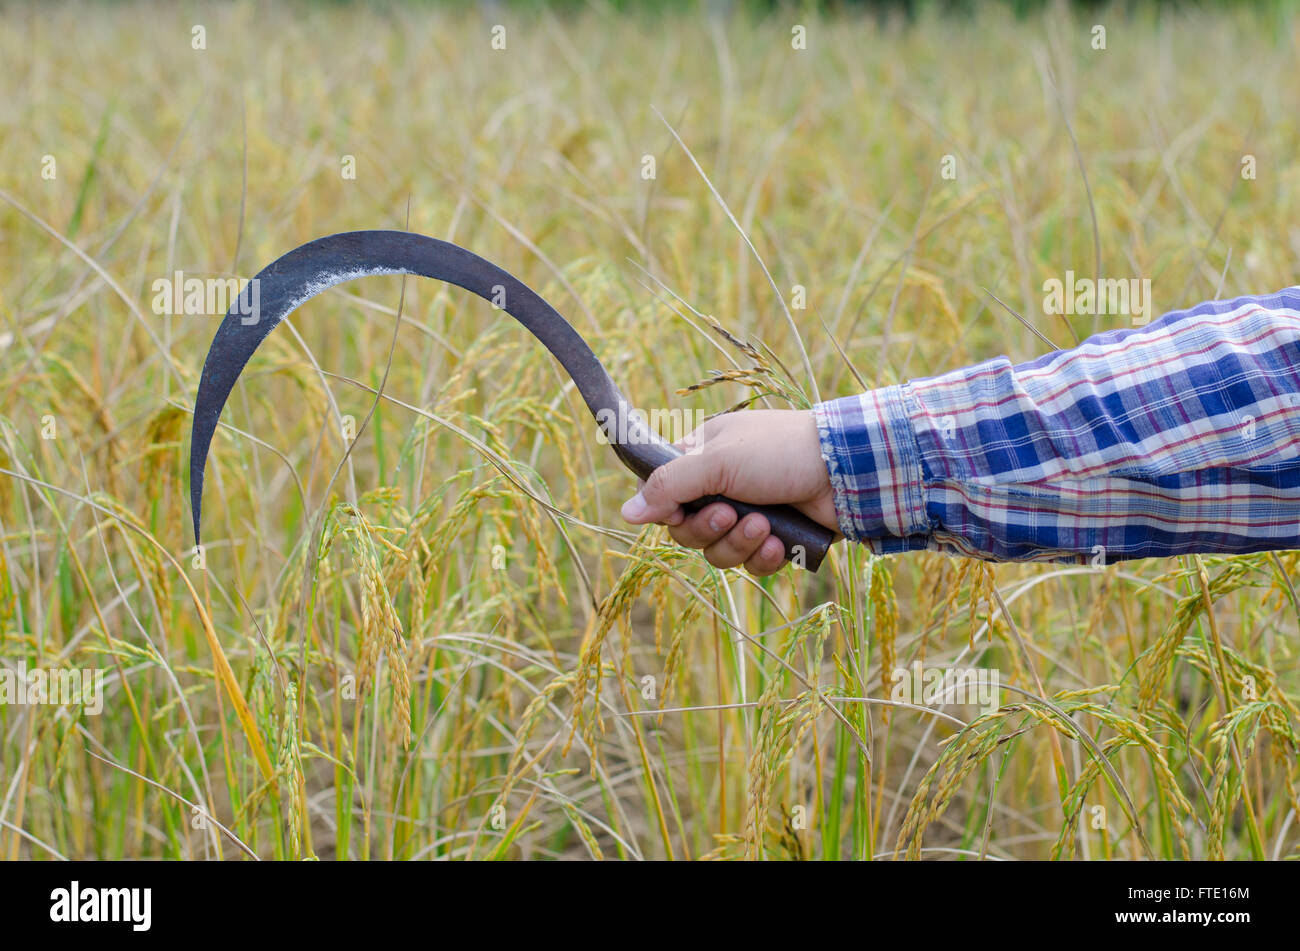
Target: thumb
x,y
684,479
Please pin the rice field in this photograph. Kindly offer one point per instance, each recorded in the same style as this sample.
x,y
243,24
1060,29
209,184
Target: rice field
x,y
418,628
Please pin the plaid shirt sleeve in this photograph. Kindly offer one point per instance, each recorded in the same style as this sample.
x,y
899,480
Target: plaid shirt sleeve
x,y
1178,437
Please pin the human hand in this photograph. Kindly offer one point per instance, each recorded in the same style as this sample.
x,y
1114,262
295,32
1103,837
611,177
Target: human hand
x,y
765,457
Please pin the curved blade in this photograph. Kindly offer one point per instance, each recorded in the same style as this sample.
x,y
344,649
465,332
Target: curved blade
x,y
308,270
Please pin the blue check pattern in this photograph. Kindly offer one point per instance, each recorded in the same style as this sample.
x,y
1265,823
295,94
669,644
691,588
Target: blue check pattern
x,y
1181,436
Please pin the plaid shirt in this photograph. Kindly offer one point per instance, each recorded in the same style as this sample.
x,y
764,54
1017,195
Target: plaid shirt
x,y
1181,436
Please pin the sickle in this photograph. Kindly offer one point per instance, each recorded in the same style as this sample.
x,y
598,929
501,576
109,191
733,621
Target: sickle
x,y
304,272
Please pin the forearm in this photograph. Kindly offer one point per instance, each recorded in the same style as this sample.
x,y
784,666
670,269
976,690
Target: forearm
x,y
1181,436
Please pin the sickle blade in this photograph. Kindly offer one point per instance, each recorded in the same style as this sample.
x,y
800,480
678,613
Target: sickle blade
x,y
290,281
282,286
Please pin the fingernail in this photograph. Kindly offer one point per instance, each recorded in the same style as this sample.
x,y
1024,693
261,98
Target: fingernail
x,y
719,520
753,528
634,508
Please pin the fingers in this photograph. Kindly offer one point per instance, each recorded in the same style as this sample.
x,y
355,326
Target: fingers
x,y
727,543
704,527
768,559
686,478
741,543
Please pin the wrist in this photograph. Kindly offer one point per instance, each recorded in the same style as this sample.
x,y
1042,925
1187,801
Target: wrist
x,y
873,464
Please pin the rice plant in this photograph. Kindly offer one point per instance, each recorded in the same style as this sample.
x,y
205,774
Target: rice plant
x,y
419,629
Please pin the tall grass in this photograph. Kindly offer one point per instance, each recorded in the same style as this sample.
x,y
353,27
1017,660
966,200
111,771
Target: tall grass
x,y
440,641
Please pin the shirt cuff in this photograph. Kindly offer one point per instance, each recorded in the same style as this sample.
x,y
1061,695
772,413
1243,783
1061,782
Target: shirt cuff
x,y
874,464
